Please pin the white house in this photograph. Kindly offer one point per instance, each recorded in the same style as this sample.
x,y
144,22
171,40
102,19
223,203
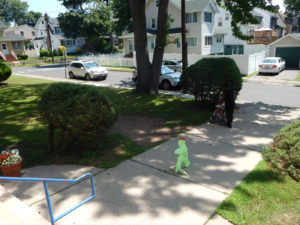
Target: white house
x,y
201,36
57,38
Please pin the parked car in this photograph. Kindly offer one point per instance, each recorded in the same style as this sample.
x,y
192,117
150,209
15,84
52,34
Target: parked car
x,y
173,64
272,65
87,69
168,78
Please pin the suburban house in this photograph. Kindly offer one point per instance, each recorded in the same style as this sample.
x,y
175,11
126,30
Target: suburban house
x,y
201,36
57,37
288,48
11,45
23,30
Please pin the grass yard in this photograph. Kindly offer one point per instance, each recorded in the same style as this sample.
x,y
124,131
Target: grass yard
x,y
22,127
263,197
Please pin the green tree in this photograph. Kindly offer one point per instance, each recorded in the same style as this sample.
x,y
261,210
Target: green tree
x,y
13,10
293,8
30,18
86,18
149,73
121,14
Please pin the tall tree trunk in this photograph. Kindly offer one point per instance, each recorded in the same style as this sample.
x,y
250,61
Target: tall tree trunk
x,y
148,75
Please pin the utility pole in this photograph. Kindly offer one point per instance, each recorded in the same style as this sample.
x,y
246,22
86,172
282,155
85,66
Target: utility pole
x,y
49,44
183,37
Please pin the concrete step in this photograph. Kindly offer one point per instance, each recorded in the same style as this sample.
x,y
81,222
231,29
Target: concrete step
x,y
10,58
13,211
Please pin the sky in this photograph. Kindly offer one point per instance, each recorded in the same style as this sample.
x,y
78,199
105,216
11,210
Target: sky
x,y
54,7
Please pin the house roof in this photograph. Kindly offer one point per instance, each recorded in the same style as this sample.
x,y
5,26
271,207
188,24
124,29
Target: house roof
x,y
10,29
12,37
194,5
296,36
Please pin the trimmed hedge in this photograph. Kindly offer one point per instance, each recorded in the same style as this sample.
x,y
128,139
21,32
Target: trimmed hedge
x,y
44,53
284,153
206,78
76,110
5,72
23,57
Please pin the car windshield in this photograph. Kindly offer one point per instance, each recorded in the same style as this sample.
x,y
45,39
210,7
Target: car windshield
x,y
91,65
166,70
270,61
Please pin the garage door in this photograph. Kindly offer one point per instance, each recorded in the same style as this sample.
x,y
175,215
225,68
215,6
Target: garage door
x,y
291,55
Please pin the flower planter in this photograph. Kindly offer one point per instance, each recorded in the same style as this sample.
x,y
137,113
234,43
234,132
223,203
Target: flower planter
x,y
12,170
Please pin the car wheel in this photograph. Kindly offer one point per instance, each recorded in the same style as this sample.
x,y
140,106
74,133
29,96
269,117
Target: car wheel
x,y
87,77
71,75
166,85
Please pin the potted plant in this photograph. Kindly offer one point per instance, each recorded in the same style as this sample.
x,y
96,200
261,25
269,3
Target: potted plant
x,y
10,163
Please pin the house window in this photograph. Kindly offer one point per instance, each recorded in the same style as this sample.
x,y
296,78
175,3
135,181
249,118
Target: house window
x,y
207,17
57,30
191,17
157,3
227,16
70,42
63,42
152,43
208,40
220,22
192,41
130,42
178,43
42,32
42,21
153,23
219,39
259,19
16,45
33,34
22,33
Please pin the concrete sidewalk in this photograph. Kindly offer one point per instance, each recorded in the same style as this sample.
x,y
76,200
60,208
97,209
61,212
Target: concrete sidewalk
x,y
143,191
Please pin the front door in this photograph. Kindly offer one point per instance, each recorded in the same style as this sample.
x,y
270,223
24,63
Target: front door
x,y
4,48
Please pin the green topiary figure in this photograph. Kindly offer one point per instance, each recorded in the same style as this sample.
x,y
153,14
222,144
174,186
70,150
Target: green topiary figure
x,y
284,153
206,78
76,110
5,72
183,157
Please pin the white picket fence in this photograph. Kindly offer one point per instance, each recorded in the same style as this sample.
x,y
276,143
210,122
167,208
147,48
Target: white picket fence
x,y
246,63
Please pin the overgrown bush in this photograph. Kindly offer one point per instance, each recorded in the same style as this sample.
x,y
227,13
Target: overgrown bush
x,y
22,57
206,78
284,153
5,72
77,111
44,53
55,53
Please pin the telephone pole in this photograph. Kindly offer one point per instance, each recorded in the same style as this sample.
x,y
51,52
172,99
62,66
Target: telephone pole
x,y
183,37
49,44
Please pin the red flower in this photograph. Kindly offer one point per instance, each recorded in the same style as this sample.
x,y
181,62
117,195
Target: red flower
x,y
4,156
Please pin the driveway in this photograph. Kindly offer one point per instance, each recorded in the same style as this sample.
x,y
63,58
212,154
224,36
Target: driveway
x,y
286,77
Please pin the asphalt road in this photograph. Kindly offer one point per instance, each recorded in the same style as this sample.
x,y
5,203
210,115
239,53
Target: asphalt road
x,y
55,71
272,94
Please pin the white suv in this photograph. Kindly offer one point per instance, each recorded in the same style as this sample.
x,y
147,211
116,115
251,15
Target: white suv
x,y
87,69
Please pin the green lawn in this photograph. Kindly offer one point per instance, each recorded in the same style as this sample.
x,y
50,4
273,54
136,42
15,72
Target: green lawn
x,y
263,197
21,126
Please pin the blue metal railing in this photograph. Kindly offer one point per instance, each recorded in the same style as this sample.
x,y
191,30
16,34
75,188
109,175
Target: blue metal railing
x,y
45,180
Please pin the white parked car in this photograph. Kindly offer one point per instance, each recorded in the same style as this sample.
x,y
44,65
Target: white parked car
x,y
272,65
87,69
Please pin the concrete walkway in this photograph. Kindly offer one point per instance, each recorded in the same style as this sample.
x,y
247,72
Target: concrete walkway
x,y
143,191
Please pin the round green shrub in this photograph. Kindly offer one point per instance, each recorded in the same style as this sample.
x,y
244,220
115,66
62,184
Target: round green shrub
x,y
284,153
5,72
206,78
55,53
44,53
22,57
77,110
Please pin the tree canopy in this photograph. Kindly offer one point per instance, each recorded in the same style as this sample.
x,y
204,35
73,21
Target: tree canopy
x,y
293,8
13,10
85,18
122,16
30,18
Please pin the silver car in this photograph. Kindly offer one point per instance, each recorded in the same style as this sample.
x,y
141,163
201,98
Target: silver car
x,y
167,79
87,69
173,64
272,65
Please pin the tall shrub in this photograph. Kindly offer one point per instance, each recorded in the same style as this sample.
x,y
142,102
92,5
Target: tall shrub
x,y
5,72
284,153
76,110
206,78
